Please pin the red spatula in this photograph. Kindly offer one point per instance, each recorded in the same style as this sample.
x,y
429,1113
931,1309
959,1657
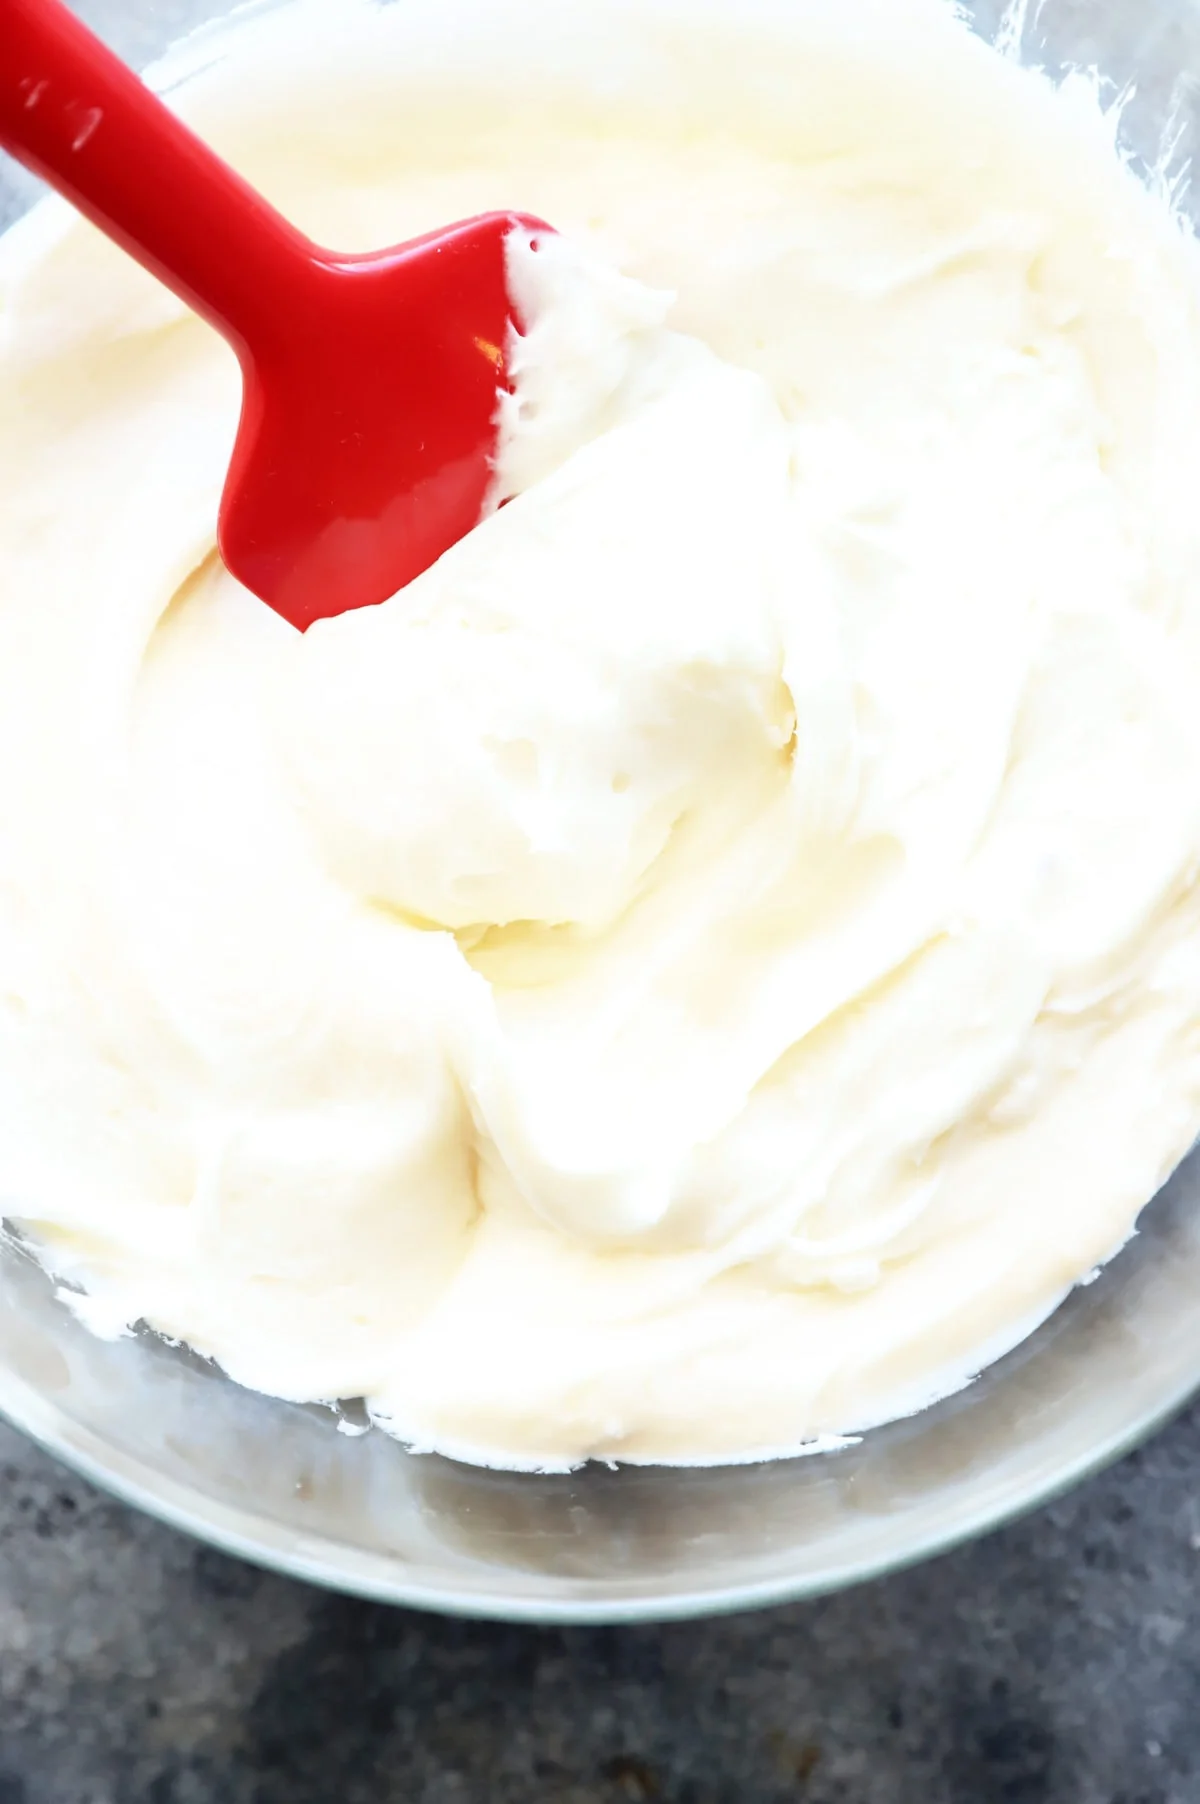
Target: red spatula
x,y
368,427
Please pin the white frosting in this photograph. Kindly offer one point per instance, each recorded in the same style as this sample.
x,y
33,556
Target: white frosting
x,y
714,960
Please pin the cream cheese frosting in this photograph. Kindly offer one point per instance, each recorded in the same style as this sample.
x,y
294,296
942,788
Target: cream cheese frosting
x,y
715,960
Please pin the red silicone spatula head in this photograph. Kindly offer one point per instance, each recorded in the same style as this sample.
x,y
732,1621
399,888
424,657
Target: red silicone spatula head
x,y
369,429
369,425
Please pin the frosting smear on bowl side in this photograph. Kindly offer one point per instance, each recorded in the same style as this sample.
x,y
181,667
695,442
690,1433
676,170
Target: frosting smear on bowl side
x,y
714,961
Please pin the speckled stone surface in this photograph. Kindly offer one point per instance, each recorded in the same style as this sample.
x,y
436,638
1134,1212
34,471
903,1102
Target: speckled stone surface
x,y
1056,1663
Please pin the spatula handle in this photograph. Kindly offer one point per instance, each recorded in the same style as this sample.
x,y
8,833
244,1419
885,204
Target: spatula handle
x,y
75,115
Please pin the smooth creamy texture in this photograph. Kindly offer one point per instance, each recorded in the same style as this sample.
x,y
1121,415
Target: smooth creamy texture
x,y
715,960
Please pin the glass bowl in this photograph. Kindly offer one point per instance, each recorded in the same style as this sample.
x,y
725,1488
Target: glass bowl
x,y
280,1485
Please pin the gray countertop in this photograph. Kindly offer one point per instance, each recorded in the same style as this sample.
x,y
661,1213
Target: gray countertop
x,y
1057,1662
